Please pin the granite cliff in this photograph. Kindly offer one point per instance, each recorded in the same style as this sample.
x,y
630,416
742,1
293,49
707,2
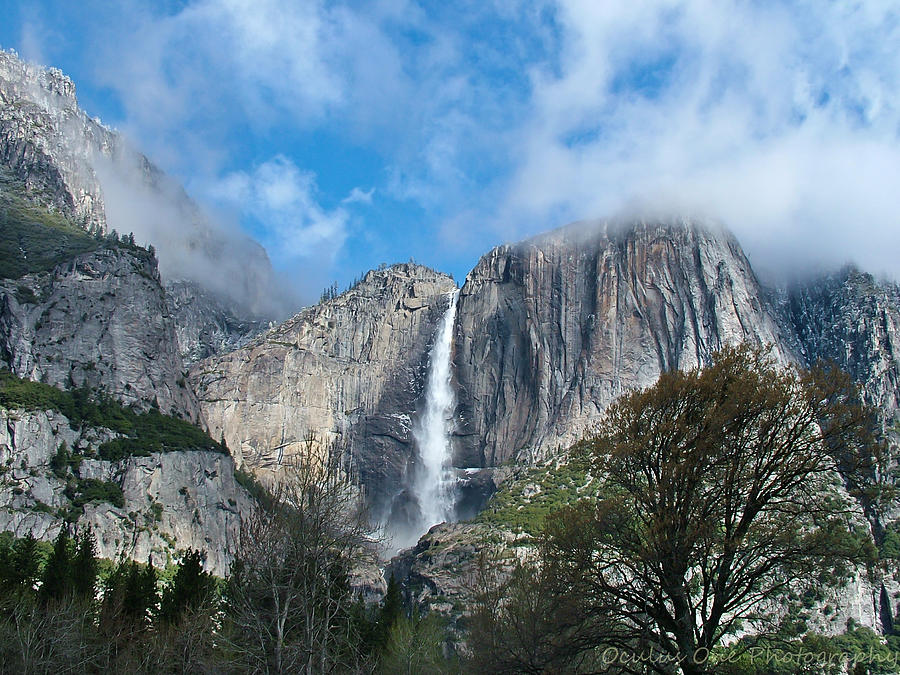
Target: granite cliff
x,y
853,319
98,320
82,307
166,501
346,375
45,138
75,166
548,332
554,328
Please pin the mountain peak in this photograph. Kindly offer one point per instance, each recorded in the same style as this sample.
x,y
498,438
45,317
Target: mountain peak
x,y
48,86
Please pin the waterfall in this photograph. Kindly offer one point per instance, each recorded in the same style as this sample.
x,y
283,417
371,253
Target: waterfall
x,y
434,483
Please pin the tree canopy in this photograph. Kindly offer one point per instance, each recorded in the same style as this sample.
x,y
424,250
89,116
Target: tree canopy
x,y
722,490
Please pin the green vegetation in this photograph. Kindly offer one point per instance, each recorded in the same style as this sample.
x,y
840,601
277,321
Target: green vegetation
x,y
190,588
63,610
142,432
249,482
715,487
523,504
154,432
26,296
32,237
35,238
82,491
890,544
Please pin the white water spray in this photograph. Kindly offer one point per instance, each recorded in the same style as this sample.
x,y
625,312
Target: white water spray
x,y
434,483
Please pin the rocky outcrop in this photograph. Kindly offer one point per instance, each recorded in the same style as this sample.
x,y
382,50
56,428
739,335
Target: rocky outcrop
x,y
345,376
46,138
205,324
100,320
853,320
88,172
552,329
171,501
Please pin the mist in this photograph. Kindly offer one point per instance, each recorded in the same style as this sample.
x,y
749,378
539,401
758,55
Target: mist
x,y
190,244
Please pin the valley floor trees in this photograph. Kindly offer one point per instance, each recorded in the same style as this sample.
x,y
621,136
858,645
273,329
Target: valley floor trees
x,y
722,492
290,606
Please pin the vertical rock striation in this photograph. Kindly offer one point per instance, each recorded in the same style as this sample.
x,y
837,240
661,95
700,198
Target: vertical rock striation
x,y
205,324
554,328
852,319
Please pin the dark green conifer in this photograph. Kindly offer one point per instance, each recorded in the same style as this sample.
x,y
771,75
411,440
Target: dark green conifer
x,y
25,561
392,606
59,463
139,593
190,588
57,576
84,565
388,614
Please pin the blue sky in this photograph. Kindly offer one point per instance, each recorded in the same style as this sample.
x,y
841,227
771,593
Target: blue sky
x,y
346,134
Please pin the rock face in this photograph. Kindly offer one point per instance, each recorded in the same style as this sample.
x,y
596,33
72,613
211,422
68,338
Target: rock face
x,y
552,329
45,138
75,165
852,319
204,323
172,500
345,376
99,320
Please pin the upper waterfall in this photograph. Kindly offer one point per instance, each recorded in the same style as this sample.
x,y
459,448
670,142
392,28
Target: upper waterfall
x,y
433,485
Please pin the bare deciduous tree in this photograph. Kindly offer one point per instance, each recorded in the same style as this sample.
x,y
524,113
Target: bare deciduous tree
x,y
289,601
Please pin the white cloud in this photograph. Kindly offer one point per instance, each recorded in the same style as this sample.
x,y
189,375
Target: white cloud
x,y
782,121
359,196
281,197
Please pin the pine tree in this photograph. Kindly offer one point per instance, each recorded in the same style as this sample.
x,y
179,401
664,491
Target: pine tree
x,y
139,593
149,591
57,577
390,611
84,565
130,595
59,463
7,562
190,588
25,561
392,606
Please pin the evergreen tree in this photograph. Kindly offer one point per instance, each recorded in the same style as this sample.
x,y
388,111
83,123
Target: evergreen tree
x,y
57,577
84,565
59,463
140,594
190,588
7,564
130,594
25,568
389,613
